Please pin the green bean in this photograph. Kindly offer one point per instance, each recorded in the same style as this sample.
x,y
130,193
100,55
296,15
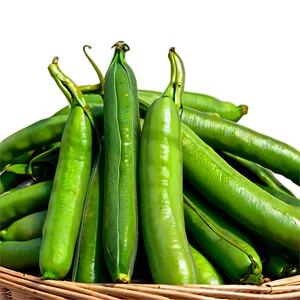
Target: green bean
x,y
204,103
89,264
224,244
19,256
39,134
26,228
280,195
70,184
206,271
121,131
238,197
255,172
277,266
24,201
224,135
160,179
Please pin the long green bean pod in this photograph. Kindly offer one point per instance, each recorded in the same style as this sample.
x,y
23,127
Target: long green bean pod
x,y
280,195
233,193
19,256
26,228
222,242
225,135
160,179
89,264
237,196
121,135
204,103
255,172
70,183
43,132
24,201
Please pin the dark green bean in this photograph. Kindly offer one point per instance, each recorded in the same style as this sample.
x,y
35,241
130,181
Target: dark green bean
x,y
24,201
19,256
280,195
225,135
223,243
237,196
39,134
277,266
26,228
254,172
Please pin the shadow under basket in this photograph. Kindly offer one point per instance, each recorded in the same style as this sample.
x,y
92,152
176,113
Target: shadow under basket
x,y
18,286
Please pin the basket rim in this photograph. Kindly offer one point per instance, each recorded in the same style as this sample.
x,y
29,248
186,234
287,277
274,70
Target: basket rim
x,y
286,288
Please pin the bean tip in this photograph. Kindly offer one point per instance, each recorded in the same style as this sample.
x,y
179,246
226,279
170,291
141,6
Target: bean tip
x,y
55,60
121,45
86,46
122,278
172,49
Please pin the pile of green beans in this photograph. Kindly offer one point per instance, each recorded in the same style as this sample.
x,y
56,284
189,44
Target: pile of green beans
x,y
125,185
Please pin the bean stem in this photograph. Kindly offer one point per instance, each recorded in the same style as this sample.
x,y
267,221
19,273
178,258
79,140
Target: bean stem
x,y
176,85
53,71
90,87
95,88
72,93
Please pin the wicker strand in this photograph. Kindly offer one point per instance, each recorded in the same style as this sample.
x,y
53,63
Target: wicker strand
x,y
124,293
34,293
87,288
171,293
18,286
285,281
226,294
66,291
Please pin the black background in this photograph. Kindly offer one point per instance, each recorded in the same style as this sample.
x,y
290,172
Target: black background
x,y
241,73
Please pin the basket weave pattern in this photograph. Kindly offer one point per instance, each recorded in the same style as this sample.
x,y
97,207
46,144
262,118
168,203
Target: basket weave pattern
x,y
18,286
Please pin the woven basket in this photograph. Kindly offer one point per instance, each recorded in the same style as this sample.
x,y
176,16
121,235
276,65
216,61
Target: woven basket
x,y
19,286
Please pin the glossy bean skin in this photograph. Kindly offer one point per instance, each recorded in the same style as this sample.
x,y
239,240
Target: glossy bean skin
x,y
225,135
26,228
19,256
277,266
67,196
122,132
254,172
24,201
281,195
206,271
204,103
236,195
161,206
89,264
223,243
39,134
